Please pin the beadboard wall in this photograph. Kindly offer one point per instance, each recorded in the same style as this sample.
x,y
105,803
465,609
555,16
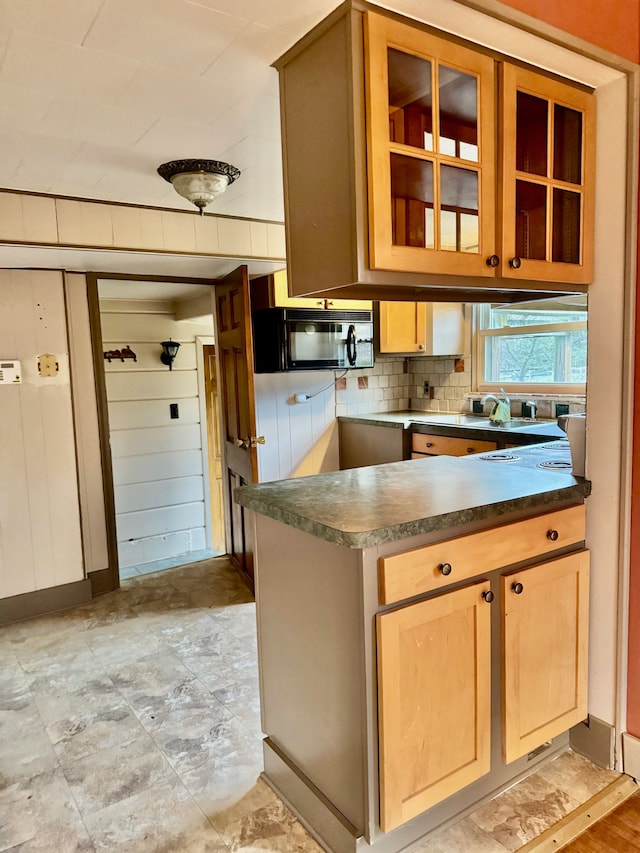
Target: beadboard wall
x,y
158,466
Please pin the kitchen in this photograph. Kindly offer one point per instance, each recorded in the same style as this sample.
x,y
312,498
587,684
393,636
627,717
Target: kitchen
x,y
355,511
609,401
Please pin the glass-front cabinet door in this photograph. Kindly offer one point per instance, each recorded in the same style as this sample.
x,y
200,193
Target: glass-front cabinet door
x,y
431,152
547,186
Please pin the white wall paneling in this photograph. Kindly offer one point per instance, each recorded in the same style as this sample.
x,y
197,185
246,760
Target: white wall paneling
x,y
40,538
300,438
157,460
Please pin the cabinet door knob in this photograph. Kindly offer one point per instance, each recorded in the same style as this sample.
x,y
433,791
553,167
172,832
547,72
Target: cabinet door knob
x,y
420,347
429,444
493,261
488,596
553,535
515,263
517,588
445,568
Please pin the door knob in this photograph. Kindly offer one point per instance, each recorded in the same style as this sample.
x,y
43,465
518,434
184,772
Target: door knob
x,y
256,440
243,442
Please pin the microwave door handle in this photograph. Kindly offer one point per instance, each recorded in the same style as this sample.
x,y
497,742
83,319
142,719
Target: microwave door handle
x,y
351,345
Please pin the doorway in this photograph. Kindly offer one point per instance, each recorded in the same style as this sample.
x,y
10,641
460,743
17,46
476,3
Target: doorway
x,y
162,423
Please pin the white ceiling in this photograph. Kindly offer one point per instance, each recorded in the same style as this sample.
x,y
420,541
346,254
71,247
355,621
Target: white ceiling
x,y
96,94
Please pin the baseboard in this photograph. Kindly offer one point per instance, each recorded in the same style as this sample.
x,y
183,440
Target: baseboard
x,y
631,755
576,822
102,581
41,601
595,740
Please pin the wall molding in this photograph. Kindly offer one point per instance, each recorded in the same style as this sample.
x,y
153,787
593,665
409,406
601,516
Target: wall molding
x,y
595,739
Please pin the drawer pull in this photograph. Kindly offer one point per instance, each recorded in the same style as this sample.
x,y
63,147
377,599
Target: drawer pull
x,y
553,535
471,450
517,588
445,568
488,596
429,444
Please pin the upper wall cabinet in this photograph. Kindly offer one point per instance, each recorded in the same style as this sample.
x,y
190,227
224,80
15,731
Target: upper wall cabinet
x,y
416,165
431,152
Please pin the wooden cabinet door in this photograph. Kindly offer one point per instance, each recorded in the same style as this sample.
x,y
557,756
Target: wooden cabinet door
x,y
547,178
545,616
434,700
428,328
430,107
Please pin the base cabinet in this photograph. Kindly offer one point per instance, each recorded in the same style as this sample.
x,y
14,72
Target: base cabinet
x,y
433,743
545,614
434,663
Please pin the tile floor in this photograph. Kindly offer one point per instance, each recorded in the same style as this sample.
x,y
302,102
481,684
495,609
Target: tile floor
x,y
132,724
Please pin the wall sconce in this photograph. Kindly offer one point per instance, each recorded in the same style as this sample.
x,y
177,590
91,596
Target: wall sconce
x,y
169,351
199,181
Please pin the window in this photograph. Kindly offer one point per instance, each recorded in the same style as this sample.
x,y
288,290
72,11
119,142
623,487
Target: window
x,y
534,346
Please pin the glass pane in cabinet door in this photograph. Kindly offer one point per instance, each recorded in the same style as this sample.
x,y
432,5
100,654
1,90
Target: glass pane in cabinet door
x,y
459,222
411,202
458,99
567,144
531,221
410,100
566,227
532,127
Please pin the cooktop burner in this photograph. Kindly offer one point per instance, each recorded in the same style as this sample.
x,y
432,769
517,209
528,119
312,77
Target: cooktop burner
x,y
554,464
499,457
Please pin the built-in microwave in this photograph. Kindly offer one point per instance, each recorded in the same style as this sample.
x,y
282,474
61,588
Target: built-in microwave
x,y
311,339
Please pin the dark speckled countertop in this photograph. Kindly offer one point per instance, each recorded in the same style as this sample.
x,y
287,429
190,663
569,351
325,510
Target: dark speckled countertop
x,y
363,507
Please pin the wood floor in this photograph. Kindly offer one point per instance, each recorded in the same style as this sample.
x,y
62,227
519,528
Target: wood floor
x,y
618,831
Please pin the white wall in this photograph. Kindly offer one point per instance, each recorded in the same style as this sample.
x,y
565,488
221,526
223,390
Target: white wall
x,y
157,461
300,438
40,541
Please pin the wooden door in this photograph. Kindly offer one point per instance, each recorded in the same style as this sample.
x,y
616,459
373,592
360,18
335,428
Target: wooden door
x,y
214,448
235,357
434,700
545,620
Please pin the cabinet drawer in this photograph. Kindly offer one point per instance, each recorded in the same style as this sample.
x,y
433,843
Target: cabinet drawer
x,y
434,566
448,446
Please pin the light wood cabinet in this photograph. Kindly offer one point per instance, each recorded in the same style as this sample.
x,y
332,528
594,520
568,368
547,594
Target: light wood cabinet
x,y
434,657
392,153
424,444
434,683
424,328
545,618
272,291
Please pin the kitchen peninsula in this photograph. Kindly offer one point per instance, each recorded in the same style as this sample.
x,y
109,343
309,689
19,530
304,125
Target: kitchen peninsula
x,y
422,632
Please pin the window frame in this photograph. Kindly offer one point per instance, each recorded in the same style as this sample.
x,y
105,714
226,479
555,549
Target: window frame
x,y
519,388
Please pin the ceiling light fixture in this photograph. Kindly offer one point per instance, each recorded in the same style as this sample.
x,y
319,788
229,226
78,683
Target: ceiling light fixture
x,y
199,181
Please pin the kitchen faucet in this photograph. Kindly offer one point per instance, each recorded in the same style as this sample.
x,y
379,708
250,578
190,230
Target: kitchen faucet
x,y
501,411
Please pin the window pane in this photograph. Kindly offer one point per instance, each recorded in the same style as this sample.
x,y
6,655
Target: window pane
x,y
511,316
531,221
532,125
459,222
458,97
537,358
411,201
566,227
410,100
567,144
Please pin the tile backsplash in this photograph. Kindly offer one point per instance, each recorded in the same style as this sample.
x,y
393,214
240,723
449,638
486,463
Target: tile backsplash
x,y
397,383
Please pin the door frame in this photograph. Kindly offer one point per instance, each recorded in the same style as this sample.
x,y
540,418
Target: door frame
x,y
108,579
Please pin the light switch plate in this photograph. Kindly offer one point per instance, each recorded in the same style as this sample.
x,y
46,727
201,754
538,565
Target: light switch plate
x,y
10,373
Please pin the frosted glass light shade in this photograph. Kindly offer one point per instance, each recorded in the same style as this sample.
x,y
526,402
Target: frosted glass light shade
x,y
199,181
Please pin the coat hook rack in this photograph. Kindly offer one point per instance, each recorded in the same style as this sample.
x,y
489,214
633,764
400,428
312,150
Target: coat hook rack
x,y
125,352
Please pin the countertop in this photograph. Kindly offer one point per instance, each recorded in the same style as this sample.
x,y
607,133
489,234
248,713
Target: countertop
x,y
363,507
463,424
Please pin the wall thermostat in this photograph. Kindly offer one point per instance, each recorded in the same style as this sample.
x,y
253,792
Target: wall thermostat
x,y
10,373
